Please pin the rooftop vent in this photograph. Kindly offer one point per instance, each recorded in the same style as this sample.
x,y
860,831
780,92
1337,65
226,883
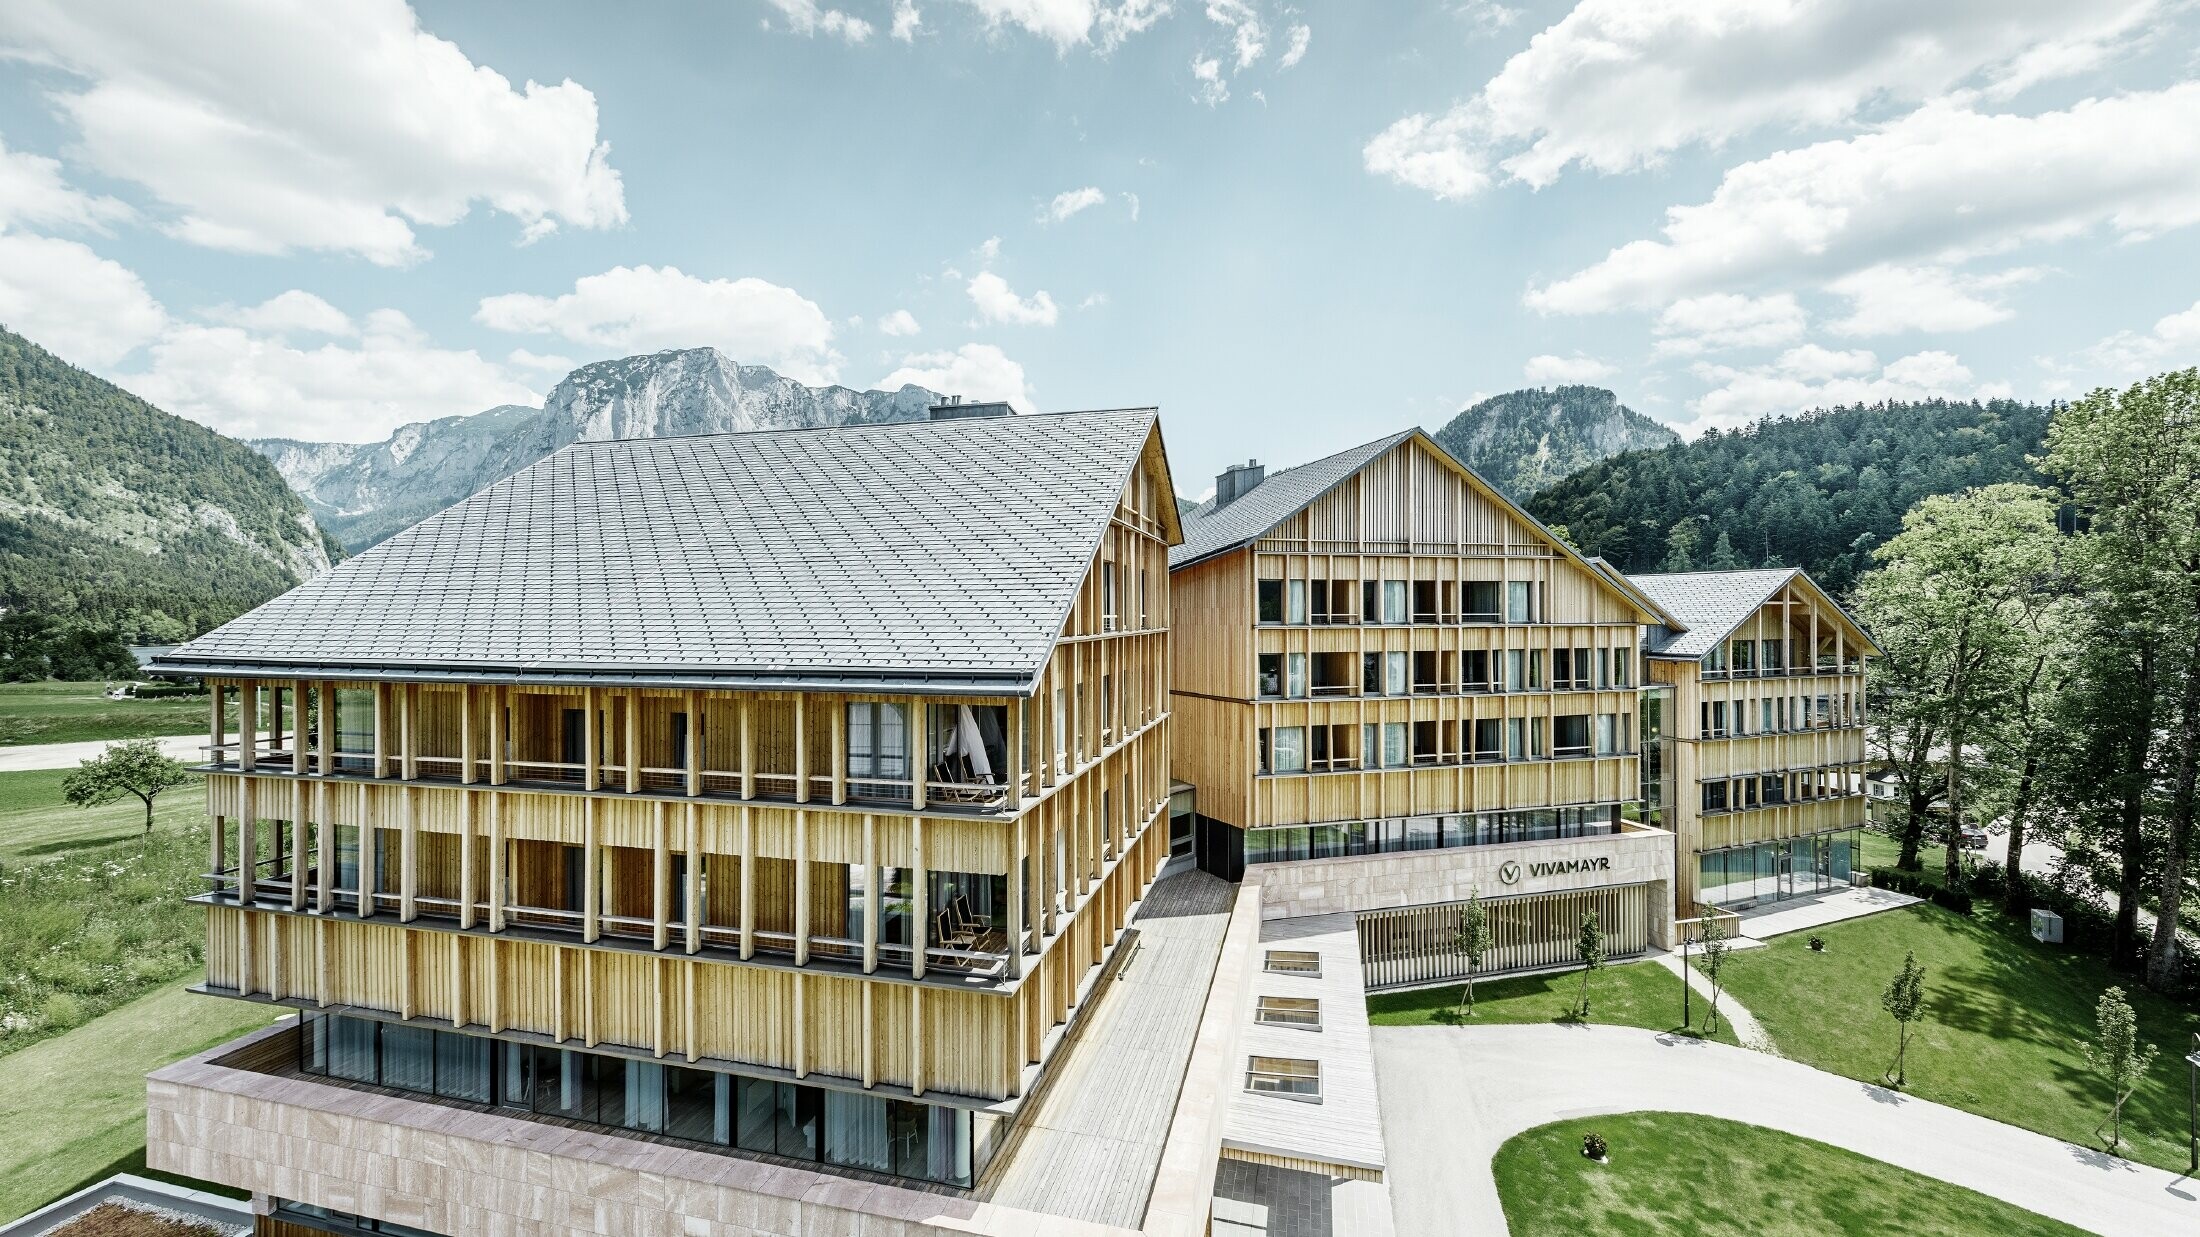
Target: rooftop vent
x,y
954,409
1236,481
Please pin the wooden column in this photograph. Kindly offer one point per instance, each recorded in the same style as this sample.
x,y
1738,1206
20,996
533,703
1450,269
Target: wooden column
x,y
839,722
634,742
324,760
801,1027
408,732
217,844
499,702
919,898
920,758
743,711
916,1041
660,883
300,759
1014,929
1013,766
381,729
692,758
870,1040
408,856
248,839
465,858
801,748
324,847
748,882
801,887
367,880
248,724
694,883
591,745
496,863
466,734
591,874
217,726
297,844
870,896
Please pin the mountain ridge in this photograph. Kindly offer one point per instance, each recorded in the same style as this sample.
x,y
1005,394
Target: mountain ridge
x,y
1524,440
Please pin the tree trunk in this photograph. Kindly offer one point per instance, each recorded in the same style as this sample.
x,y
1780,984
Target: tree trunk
x,y
2013,892
2162,960
2131,815
148,813
1951,871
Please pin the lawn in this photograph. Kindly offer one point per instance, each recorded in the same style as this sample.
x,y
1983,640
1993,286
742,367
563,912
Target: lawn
x,y
77,712
72,1108
92,910
35,824
2003,1022
1627,994
1682,1173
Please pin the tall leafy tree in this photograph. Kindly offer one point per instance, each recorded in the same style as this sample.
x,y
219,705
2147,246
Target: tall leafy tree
x,y
1589,947
1954,593
1904,1000
2131,460
132,768
2122,1060
1473,942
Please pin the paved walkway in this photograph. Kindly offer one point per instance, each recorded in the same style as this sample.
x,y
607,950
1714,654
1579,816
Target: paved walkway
x,y
1497,1081
1818,910
68,755
1747,1029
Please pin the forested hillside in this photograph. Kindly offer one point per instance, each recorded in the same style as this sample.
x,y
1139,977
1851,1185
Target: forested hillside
x,y
116,514
1817,491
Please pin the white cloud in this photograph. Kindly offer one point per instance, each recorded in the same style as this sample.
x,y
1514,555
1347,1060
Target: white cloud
x,y
1246,32
33,192
990,250
1426,152
1132,198
252,385
1721,320
293,312
1889,299
1813,377
1073,23
974,371
997,302
646,308
547,363
907,20
1300,37
2134,352
1069,202
1616,85
1485,17
335,127
1548,370
1213,88
1937,187
806,17
899,322
79,306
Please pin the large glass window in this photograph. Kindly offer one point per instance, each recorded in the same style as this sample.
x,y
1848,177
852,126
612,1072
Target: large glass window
x,y
1519,601
1269,600
1271,674
1289,753
1295,683
1295,611
1394,601
1394,674
878,740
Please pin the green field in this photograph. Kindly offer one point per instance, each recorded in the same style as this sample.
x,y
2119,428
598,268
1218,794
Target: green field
x,y
1681,1173
1628,994
72,1109
81,712
35,824
2003,1022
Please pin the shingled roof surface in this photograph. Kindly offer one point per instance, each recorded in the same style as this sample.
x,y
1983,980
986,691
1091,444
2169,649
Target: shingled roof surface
x,y
1711,603
929,555
1208,531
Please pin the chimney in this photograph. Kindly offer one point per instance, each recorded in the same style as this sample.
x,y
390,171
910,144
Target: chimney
x,y
1236,480
953,408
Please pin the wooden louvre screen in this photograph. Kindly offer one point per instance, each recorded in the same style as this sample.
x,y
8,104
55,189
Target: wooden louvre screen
x,y
1415,944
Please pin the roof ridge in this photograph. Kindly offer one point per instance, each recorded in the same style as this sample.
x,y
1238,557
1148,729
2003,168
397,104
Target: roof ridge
x,y
859,425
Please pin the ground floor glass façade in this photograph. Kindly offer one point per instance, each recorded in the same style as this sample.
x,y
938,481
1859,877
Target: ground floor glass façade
x,y
931,1142
1382,837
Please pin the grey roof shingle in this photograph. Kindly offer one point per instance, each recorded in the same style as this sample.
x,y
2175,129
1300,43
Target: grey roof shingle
x,y
927,555
1711,603
1208,532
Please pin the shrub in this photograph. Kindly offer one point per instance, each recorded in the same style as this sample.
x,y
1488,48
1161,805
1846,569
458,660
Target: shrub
x,y
63,1011
1592,1145
1919,885
1817,944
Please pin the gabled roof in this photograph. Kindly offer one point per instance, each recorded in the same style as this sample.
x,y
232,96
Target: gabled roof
x,y
1281,495
1713,603
925,557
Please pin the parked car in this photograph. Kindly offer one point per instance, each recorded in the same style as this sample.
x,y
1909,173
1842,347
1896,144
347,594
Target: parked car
x,y
1973,835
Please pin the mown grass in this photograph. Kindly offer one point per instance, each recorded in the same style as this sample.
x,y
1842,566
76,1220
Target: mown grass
x,y
81,712
1682,1173
1628,994
2004,1020
92,910
72,1109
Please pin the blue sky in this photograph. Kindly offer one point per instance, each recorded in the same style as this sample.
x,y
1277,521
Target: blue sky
x,y
1295,226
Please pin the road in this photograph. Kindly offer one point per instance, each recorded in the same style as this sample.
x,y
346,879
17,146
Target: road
x,y
69,755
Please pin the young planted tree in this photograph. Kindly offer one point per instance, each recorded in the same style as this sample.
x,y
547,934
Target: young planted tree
x,y
1904,1001
2119,1056
133,767
1473,942
1953,590
1715,949
1590,949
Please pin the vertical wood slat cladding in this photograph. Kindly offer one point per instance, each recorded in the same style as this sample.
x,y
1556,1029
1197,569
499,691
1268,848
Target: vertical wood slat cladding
x,y
1094,789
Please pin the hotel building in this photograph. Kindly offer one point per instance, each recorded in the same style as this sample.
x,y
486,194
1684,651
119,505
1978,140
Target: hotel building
x,y
721,830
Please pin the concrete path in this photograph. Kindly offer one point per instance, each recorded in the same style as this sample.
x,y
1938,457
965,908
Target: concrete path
x,y
1747,1029
1497,1081
183,747
1818,910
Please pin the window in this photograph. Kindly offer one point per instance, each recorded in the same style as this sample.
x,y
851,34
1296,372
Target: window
x,y
1772,655
1744,655
1714,662
1714,719
1610,726
1271,674
1295,612
1570,734
1270,599
1287,1076
1516,670
1394,601
1519,595
1516,738
1488,738
1107,595
1290,749
878,740
1295,685
1604,669
1714,796
1482,601
1371,674
1766,723
1290,1011
1773,788
1394,674
1394,744
1294,962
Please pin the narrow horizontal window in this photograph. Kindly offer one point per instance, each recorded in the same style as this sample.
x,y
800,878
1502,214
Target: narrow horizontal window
x,y
1294,962
1290,1011
1293,1077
